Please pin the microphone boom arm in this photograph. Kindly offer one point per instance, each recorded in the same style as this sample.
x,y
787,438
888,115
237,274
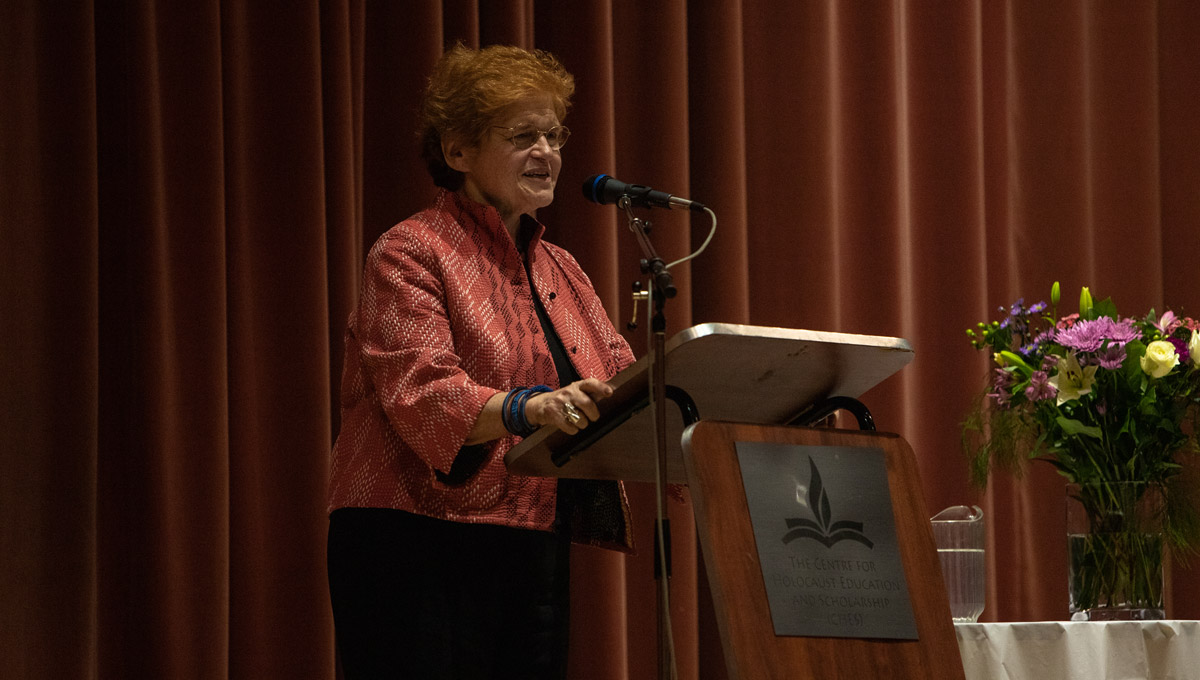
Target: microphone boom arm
x,y
651,264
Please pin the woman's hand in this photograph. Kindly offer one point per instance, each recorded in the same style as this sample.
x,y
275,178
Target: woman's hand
x,y
569,408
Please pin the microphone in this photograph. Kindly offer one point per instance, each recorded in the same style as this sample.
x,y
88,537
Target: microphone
x,y
605,189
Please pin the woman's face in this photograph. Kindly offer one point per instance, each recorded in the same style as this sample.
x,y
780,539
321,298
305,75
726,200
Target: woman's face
x,y
514,181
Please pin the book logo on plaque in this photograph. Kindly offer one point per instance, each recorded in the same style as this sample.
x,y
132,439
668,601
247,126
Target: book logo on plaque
x,y
822,530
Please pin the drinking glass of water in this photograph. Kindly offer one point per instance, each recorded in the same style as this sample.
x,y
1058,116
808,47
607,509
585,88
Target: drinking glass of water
x,y
958,533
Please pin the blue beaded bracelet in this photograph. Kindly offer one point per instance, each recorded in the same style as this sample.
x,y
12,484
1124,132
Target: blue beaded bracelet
x,y
512,411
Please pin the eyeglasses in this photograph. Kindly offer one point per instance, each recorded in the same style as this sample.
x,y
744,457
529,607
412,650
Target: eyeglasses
x,y
525,136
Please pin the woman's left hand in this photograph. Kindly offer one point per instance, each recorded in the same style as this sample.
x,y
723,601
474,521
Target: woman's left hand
x,y
569,408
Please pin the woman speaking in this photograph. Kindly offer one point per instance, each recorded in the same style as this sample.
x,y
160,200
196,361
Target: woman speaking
x,y
470,333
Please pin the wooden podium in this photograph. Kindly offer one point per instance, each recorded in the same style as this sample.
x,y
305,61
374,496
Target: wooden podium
x,y
749,381
752,649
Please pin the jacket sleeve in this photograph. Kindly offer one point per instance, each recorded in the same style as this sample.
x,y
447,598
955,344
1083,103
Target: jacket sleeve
x,y
406,347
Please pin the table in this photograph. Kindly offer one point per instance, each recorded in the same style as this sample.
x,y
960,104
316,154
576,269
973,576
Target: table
x,y
1111,650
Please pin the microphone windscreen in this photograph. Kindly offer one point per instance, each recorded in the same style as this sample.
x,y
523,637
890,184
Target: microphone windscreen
x,y
594,189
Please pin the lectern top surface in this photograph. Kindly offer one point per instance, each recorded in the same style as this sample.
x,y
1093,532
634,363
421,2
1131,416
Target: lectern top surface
x,y
741,373
766,375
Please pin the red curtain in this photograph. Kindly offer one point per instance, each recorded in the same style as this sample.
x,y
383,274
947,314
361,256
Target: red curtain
x,y
187,192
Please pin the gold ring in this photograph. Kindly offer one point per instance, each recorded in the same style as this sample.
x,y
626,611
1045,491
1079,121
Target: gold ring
x,y
572,414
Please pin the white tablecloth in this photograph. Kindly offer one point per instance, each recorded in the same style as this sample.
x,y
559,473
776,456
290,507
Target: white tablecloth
x,y
1053,650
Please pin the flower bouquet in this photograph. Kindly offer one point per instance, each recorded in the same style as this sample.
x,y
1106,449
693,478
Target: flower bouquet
x,y
1113,403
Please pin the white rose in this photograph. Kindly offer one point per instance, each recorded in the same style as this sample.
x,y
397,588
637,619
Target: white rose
x,y
1194,348
1159,359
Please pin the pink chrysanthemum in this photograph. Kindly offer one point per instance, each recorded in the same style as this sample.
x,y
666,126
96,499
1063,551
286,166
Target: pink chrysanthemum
x,y
1089,336
1111,357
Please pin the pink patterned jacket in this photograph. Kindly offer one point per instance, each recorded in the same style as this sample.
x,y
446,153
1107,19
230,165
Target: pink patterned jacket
x,y
445,320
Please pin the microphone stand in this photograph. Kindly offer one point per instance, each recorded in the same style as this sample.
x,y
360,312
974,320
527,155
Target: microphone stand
x,y
662,288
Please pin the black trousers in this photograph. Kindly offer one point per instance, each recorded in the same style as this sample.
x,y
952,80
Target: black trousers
x,y
416,597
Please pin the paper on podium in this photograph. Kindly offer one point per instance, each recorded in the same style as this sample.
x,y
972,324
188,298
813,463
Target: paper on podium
x,y
748,374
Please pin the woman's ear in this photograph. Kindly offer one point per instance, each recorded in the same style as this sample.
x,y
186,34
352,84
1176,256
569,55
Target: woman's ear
x,y
458,154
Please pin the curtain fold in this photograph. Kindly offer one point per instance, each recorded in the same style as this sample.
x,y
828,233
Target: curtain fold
x,y
187,194
277,332
49,340
717,125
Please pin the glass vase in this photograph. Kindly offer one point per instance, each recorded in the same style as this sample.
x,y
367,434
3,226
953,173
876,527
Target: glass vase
x,y
1115,551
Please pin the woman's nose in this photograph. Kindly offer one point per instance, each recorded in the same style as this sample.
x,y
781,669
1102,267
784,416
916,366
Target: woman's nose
x,y
542,145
